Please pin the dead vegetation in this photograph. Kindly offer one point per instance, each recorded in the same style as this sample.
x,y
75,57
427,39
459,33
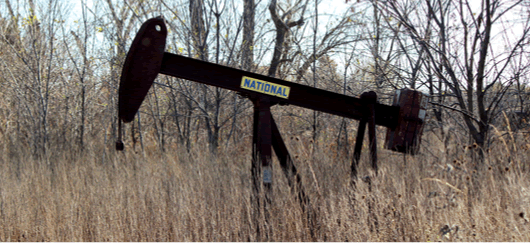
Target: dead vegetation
x,y
102,195
62,180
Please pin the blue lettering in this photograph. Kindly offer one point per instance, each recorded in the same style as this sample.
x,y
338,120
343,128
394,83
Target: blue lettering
x,y
247,82
267,87
284,92
253,85
279,91
273,89
259,84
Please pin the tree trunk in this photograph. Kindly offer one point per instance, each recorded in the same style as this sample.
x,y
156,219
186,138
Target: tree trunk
x,y
247,54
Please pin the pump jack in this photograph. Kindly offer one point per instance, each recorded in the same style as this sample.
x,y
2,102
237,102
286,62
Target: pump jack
x,y
146,59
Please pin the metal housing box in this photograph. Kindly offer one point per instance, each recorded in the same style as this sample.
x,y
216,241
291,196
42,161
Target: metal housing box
x,y
406,136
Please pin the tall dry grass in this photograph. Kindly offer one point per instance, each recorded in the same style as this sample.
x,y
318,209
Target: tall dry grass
x,y
102,195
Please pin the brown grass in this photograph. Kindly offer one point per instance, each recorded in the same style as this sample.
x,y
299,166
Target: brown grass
x,y
101,195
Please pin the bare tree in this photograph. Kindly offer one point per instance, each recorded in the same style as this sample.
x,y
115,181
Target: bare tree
x,y
247,46
33,66
466,51
202,32
117,27
283,23
81,66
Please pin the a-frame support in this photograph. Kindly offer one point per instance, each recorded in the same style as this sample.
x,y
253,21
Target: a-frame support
x,y
369,99
266,136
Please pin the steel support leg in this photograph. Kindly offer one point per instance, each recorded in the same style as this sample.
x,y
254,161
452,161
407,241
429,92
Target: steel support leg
x,y
372,99
293,178
358,148
261,164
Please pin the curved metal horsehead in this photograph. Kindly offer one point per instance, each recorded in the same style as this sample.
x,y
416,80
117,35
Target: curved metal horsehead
x,y
141,67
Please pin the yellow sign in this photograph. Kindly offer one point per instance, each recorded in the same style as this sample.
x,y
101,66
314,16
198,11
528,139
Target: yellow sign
x,y
265,87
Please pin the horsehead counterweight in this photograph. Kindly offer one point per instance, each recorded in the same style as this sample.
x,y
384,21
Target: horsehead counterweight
x,y
146,59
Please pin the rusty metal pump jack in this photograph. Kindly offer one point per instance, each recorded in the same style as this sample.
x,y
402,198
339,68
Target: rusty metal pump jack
x,y
146,59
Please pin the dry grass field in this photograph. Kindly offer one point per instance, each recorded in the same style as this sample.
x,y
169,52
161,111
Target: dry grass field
x,y
185,174
102,195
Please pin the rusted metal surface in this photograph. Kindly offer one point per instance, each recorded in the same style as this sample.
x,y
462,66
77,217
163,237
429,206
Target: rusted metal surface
x,y
406,136
146,58
262,137
371,100
141,67
300,95
368,99
358,147
287,164
262,160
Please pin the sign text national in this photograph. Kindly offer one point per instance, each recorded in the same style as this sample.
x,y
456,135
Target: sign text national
x,y
265,87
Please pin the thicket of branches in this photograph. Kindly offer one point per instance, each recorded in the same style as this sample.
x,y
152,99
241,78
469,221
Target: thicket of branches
x,y
60,65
